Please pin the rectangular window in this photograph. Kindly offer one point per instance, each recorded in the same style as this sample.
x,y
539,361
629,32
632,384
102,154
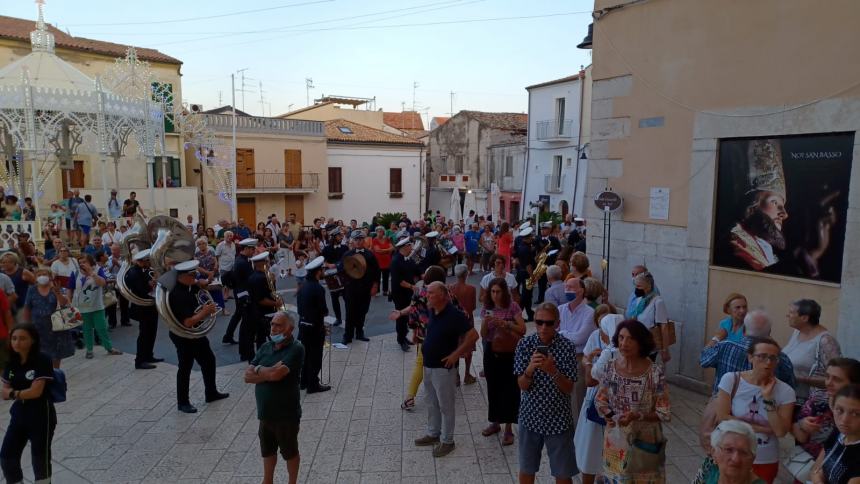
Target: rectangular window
x,y
559,114
556,166
334,180
509,165
162,92
458,164
174,172
395,180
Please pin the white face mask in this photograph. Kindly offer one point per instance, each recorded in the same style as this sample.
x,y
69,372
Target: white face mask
x,y
43,280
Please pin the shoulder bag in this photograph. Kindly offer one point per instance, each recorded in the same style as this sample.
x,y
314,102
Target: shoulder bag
x,y
647,451
58,387
65,317
591,412
709,416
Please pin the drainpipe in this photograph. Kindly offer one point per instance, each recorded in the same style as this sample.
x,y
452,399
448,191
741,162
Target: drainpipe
x,y
421,179
523,201
578,139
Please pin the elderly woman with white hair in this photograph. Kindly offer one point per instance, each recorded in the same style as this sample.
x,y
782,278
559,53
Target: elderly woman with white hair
x,y
735,445
588,439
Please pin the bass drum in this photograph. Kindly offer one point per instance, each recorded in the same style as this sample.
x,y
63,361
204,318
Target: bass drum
x,y
333,280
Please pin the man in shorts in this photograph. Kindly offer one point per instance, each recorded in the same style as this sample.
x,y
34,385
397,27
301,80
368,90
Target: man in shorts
x,y
275,371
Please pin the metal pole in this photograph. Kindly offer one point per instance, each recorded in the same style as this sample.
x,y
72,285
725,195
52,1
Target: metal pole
x,y
105,191
37,237
150,175
604,248
233,202
608,245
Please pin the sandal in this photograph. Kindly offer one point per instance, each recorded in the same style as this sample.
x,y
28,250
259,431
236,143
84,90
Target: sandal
x,y
408,404
114,352
493,429
508,439
469,379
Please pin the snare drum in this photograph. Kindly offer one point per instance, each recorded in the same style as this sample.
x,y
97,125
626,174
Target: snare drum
x,y
333,280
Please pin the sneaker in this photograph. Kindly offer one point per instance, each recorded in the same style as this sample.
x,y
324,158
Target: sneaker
x,y
426,440
441,450
114,352
90,355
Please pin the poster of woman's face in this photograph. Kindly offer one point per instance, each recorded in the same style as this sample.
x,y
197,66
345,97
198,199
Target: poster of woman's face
x,y
782,203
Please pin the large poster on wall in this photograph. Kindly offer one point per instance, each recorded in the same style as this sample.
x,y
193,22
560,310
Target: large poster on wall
x,y
781,204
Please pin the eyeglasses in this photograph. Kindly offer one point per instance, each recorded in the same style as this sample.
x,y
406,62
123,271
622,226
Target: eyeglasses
x,y
735,451
766,357
544,322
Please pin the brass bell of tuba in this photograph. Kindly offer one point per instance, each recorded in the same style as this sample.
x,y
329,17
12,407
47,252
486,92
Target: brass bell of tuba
x,y
174,243
136,238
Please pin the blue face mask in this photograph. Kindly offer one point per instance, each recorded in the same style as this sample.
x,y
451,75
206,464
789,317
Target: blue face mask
x,y
278,338
571,296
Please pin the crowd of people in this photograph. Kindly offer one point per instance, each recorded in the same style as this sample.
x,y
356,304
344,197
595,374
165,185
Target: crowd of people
x,y
588,385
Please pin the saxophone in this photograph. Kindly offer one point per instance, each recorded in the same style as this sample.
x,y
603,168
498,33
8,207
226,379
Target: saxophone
x,y
540,268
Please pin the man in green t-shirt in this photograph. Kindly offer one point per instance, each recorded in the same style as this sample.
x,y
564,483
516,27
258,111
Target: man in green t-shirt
x,y
275,371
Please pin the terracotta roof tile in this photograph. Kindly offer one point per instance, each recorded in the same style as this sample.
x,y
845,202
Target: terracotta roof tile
x,y
361,134
507,121
404,120
555,81
226,110
440,120
19,29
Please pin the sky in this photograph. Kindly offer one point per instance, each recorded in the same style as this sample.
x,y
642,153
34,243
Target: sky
x,y
485,51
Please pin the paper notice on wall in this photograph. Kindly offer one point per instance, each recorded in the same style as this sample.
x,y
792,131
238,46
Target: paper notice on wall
x,y
659,206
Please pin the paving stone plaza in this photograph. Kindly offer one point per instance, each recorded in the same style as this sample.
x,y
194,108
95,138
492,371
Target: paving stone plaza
x,y
121,426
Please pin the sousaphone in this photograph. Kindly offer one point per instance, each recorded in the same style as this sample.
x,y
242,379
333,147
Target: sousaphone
x,y
135,239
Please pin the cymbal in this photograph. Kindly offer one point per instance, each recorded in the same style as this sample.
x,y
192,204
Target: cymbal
x,y
355,266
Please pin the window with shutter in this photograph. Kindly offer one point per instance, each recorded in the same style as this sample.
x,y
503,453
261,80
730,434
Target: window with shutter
x,y
395,182
335,188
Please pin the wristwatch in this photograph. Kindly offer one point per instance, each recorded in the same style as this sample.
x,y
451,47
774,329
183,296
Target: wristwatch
x,y
257,369
769,405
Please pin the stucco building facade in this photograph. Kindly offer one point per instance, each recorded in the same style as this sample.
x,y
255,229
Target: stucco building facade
x,y
131,171
676,84
559,128
460,154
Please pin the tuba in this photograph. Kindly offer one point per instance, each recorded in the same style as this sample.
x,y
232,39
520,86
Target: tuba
x,y
419,250
174,243
136,238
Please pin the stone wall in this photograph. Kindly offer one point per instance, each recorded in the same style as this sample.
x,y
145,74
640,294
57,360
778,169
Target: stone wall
x,y
679,256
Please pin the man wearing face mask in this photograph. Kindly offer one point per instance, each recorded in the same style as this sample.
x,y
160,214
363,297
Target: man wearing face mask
x,y
183,302
275,372
577,324
312,311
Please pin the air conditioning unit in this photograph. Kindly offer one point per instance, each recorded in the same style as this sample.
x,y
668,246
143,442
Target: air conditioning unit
x,y
196,108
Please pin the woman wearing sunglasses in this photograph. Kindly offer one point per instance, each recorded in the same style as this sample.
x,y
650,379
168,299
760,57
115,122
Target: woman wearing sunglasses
x,y
758,398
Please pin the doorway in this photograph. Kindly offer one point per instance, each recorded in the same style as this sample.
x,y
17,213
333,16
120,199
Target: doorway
x,y
73,178
563,208
247,210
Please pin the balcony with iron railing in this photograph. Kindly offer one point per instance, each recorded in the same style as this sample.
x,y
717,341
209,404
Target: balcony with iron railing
x,y
277,182
554,130
510,184
553,183
257,124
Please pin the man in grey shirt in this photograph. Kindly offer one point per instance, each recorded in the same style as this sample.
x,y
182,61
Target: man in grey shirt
x,y
555,290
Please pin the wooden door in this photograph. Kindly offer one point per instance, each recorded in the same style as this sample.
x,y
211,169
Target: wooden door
x,y
293,168
294,204
247,209
245,168
75,177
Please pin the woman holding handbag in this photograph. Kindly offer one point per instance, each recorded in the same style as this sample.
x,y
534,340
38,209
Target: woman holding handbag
x,y
88,286
502,326
42,300
633,398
